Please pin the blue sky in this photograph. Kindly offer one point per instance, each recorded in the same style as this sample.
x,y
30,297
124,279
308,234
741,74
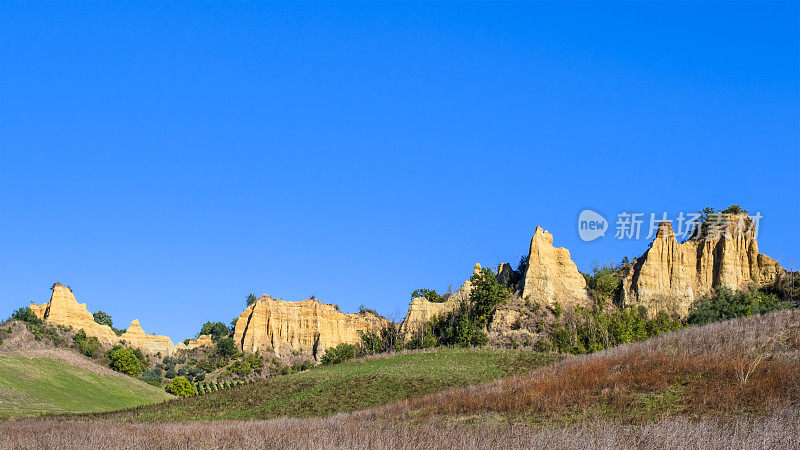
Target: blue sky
x,y
167,159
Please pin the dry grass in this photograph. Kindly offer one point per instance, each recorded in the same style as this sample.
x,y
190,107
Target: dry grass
x,y
780,429
742,366
727,385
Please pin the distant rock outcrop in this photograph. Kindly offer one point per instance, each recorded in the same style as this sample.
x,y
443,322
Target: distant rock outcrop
x,y
63,309
204,340
307,326
551,276
136,337
670,276
420,310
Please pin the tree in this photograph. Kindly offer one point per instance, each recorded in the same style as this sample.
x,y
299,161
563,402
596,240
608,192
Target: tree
x,y
103,318
340,353
429,294
217,330
251,298
226,347
125,360
181,387
487,293
26,315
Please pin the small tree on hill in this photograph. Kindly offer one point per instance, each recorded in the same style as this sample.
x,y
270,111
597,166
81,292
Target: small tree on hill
x,y
181,387
217,330
102,318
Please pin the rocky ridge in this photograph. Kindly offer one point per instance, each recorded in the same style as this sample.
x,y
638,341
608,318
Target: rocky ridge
x,y
64,310
669,276
307,326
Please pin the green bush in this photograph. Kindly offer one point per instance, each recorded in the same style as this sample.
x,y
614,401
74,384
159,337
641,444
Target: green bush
x,y
181,387
217,330
89,346
125,360
26,315
429,294
340,354
152,376
724,304
226,347
103,319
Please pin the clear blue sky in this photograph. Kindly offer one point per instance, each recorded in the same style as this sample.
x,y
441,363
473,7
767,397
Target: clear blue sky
x,y
165,160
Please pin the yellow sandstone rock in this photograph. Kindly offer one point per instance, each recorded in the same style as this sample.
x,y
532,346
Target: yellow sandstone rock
x,y
63,309
420,310
136,337
670,276
307,326
551,276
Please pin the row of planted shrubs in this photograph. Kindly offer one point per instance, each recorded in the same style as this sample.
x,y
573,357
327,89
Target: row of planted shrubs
x,y
182,387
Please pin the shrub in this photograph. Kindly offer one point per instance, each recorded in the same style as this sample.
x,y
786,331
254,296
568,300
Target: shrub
x,y
217,330
724,304
340,353
429,294
251,298
124,360
89,346
103,319
226,347
26,315
181,387
152,376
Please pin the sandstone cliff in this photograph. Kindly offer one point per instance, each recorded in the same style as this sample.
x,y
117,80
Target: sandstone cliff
x,y
63,309
551,276
136,337
670,276
420,310
307,326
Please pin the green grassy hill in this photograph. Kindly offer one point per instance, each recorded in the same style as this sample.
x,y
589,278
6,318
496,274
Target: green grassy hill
x,y
35,386
347,387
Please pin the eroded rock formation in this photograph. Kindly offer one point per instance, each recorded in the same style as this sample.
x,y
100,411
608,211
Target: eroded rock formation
x,y
307,326
63,309
420,310
136,337
670,276
551,276
204,340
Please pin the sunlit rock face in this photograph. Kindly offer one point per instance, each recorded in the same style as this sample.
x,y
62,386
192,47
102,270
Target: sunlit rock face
x,y
307,326
551,276
669,276
63,309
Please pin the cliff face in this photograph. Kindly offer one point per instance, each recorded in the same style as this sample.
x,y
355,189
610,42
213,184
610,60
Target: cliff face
x,y
670,276
551,276
63,309
420,310
307,326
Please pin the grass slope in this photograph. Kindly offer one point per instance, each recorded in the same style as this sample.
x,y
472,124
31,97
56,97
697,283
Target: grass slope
x,y
30,387
347,387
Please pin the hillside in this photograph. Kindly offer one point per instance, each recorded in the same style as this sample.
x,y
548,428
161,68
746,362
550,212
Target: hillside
x,y
741,367
700,387
348,386
38,378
